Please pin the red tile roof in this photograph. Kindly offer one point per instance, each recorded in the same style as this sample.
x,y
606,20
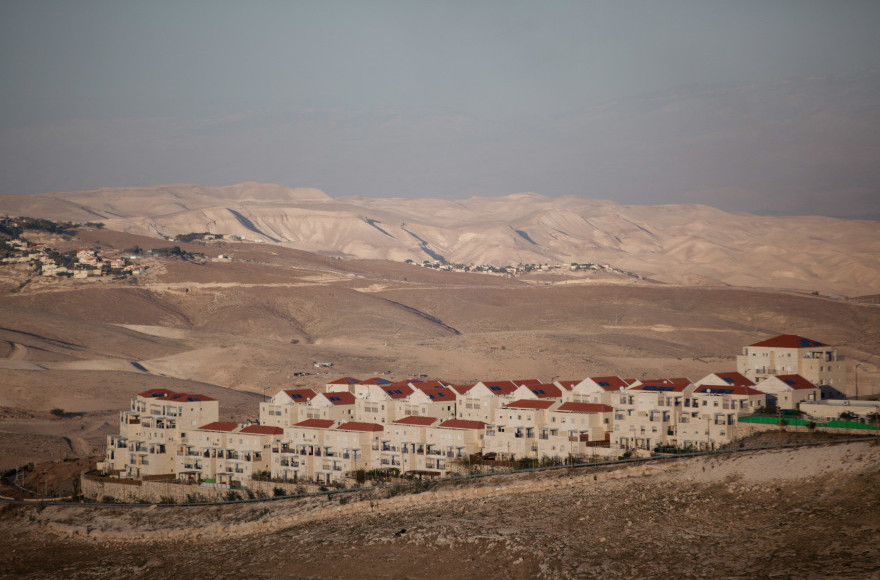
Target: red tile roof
x,y
358,426
376,381
316,423
789,341
676,384
187,398
727,390
585,408
429,384
547,391
398,391
526,382
155,393
305,395
567,385
219,426
796,382
529,404
462,424
263,430
462,389
344,381
417,420
735,378
172,396
501,387
403,383
613,383
339,398
438,394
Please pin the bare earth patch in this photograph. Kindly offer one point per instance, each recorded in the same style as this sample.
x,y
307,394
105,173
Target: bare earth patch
x,y
757,514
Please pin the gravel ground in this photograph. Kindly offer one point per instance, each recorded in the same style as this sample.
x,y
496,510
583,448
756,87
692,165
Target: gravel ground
x,y
810,512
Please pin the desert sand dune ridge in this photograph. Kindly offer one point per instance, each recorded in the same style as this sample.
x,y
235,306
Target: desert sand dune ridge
x,y
683,244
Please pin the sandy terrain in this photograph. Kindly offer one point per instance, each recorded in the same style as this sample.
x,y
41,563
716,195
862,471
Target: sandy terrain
x,y
239,329
686,244
256,324
758,514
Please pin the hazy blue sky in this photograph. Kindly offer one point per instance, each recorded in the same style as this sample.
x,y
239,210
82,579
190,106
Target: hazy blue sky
x,y
754,106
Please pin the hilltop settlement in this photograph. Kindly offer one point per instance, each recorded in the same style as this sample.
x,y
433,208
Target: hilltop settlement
x,y
431,428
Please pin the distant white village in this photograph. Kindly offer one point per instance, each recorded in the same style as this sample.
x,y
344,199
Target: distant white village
x,y
518,269
48,262
86,262
431,428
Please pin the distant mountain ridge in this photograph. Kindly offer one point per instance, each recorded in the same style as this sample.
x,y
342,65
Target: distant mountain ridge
x,y
684,244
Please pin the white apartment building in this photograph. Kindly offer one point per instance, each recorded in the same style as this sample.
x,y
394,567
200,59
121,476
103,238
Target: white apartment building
x,y
150,431
789,391
539,428
678,413
225,453
428,446
324,451
598,389
286,408
385,404
789,354
480,401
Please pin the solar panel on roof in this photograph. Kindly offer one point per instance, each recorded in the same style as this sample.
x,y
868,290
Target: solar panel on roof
x,y
807,342
789,382
296,396
604,384
657,388
334,398
495,388
720,391
539,392
727,379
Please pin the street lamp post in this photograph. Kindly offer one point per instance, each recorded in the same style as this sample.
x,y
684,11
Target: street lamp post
x,y
857,380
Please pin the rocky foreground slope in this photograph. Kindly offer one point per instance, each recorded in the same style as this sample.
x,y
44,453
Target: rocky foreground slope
x,y
685,244
805,512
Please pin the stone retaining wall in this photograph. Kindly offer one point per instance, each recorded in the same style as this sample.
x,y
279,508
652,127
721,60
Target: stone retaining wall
x,y
99,489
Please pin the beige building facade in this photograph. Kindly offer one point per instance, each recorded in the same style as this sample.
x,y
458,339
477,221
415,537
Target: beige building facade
x,y
790,354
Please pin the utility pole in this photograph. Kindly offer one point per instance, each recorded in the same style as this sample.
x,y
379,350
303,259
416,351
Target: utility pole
x,y
857,380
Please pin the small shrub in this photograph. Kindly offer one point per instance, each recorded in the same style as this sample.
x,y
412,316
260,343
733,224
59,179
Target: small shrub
x,y
233,496
278,492
167,500
57,412
250,494
108,499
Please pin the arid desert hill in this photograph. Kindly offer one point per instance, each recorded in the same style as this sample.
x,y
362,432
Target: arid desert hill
x,y
807,512
256,321
680,244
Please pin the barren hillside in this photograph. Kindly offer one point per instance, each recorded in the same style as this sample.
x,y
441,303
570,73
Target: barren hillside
x,y
258,321
757,514
683,244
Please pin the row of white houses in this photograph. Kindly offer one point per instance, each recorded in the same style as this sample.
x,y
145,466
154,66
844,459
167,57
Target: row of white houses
x,y
433,428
